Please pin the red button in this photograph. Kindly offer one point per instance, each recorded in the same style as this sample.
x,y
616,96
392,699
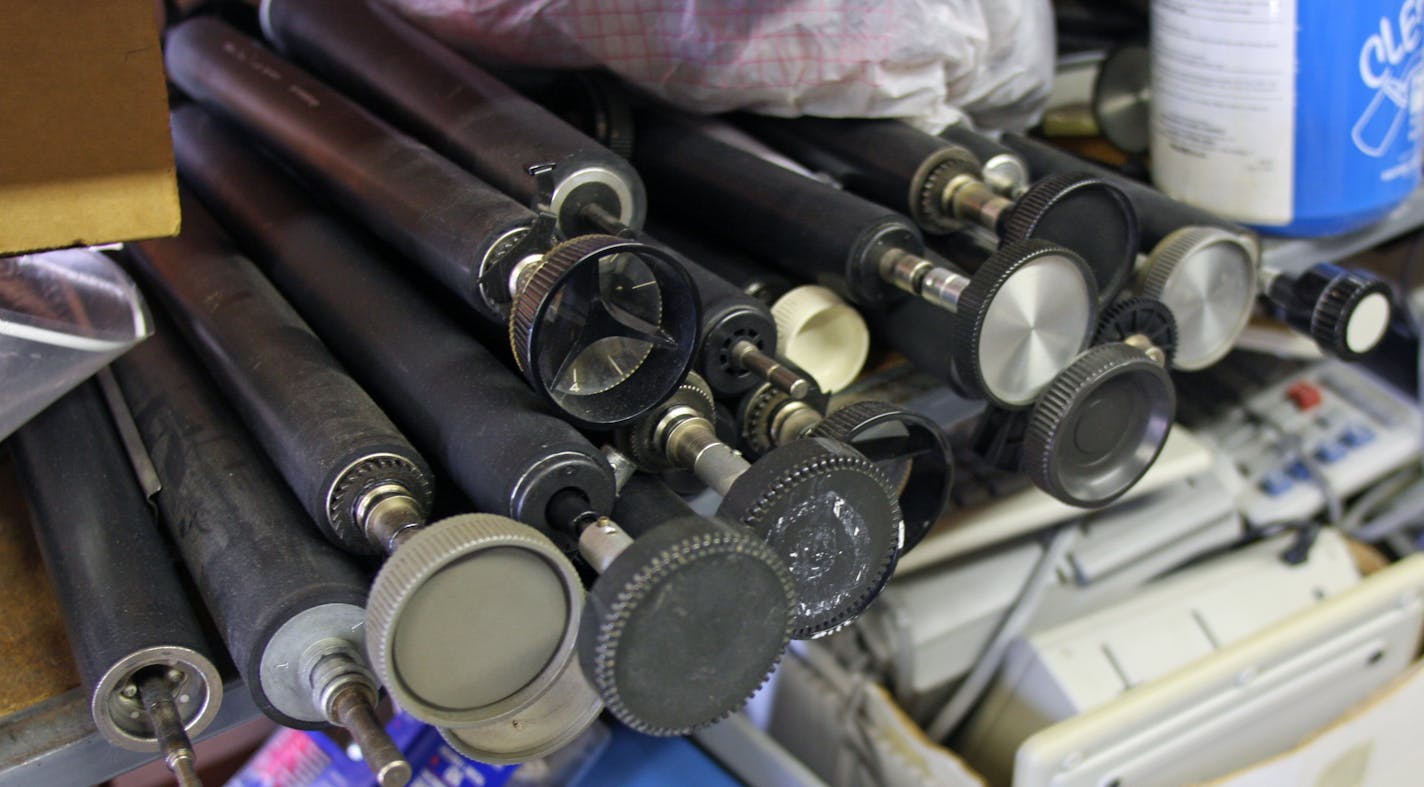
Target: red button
x,y
1304,395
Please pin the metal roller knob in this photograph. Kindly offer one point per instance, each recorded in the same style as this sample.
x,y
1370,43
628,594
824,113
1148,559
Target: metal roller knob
x,y
1207,277
449,639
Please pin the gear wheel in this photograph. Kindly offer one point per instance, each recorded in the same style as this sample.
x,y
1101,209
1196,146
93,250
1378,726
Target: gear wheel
x,y
640,441
1139,316
832,517
365,474
930,209
1084,213
685,625
909,448
754,415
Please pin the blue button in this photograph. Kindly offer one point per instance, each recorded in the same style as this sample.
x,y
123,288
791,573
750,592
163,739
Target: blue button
x,y
1331,451
1275,483
1298,471
1357,435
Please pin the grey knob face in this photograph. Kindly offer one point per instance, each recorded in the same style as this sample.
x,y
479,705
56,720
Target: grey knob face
x,y
685,625
548,722
1099,426
472,619
832,518
1207,277
1029,310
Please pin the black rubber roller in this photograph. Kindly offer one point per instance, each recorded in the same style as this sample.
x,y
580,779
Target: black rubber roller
x,y
831,516
1086,214
729,315
685,625
1099,426
1140,316
368,50
605,327
909,448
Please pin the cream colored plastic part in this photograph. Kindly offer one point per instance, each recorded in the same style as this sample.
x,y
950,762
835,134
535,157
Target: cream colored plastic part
x,y
822,334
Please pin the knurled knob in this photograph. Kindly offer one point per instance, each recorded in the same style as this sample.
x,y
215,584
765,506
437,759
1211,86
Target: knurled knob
x,y
471,618
1207,277
605,327
1025,315
1099,426
832,518
1084,213
685,625
910,449
1351,315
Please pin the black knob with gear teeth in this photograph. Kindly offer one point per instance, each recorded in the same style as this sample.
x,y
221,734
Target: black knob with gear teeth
x,y
909,448
685,625
604,327
1027,312
1099,426
831,516
1351,314
1084,213
1140,316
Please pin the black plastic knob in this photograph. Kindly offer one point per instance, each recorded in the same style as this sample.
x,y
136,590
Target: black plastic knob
x,y
605,328
1346,312
1086,214
910,449
831,516
685,625
1099,426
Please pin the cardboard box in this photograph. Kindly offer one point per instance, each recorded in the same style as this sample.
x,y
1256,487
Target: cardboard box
x,y
85,155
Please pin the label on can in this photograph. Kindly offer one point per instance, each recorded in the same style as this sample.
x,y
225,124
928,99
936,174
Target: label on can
x,y
1223,106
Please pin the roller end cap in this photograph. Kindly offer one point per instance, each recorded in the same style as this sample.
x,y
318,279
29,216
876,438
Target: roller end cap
x,y
605,328
832,518
1207,277
1028,311
452,663
910,449
1352,315
1099,426
822,334
1084,213
686,625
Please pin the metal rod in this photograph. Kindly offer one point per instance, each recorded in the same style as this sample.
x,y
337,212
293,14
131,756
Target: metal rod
x,y
354,710
770,369
156,695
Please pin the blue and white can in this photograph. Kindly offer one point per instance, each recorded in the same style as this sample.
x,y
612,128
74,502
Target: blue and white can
x,y
1298,117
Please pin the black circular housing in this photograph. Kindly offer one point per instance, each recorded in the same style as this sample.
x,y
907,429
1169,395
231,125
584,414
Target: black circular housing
x,y
831,516
685,625
1139,316
910,449
605,328
1099,426
1086,214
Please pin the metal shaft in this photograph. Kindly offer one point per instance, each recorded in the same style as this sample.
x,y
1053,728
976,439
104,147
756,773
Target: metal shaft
x,y
389,515
916,275
692,442
771,370
972,200
353,709
157,698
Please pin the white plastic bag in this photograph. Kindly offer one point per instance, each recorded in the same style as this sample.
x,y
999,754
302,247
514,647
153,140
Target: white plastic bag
x,y
932,62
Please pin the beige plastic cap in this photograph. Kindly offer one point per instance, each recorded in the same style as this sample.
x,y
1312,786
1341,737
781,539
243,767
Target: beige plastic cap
x,y
822,334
